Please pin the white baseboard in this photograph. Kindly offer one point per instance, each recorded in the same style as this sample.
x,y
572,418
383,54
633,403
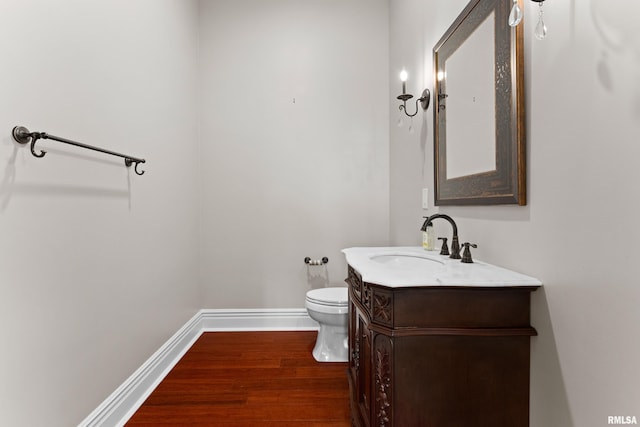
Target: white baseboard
x,y
116,410
257,320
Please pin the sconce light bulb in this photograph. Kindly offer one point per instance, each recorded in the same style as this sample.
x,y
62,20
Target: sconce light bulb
x,y
403,79
440,75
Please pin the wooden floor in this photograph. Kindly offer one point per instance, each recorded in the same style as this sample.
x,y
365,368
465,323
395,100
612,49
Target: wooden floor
x,y
252,379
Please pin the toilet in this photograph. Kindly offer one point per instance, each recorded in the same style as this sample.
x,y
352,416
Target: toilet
x,y
329,307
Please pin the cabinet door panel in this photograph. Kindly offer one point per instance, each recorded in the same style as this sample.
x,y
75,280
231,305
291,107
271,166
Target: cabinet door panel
x,y
364,373
354,345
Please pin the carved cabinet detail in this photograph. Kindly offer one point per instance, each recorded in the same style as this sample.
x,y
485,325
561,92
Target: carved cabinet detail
x,y
383,356
383,307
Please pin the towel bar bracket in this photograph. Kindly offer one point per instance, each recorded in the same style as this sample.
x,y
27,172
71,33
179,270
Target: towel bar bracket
x,y
21,135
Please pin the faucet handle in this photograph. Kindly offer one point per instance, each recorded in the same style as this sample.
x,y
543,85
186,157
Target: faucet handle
x,y
466,255
444,250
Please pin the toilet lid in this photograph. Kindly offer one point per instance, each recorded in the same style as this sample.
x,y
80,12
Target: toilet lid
x,y
329,296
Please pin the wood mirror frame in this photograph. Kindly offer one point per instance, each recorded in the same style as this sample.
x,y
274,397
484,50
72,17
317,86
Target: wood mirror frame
x,y
507,183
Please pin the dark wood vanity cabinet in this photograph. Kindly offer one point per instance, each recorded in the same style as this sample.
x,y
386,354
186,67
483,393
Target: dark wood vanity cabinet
x,y
438,356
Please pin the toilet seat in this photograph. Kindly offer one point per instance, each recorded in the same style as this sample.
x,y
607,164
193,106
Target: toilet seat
x,y
328,300
332,297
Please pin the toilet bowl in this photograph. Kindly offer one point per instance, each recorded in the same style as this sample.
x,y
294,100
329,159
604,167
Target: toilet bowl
x,y
329,307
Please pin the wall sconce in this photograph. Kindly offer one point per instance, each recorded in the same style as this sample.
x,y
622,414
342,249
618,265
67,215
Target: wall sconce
x,y
516,16
404,97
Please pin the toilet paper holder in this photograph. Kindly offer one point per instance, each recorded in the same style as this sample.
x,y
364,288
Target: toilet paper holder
x,y
310,261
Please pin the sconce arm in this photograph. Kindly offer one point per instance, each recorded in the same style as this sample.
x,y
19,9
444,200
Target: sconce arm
x,y
423,101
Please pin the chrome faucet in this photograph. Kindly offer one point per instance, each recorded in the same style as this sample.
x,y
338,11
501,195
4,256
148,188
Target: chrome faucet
x,y
455,243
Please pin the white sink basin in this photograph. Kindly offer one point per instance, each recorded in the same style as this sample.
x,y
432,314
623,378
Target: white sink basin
x,y
412,266
406,261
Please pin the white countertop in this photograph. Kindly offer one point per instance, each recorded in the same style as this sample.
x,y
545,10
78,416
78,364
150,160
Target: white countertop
x,y
413,266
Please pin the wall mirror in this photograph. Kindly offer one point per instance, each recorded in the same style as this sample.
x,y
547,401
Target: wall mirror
x,y
479,120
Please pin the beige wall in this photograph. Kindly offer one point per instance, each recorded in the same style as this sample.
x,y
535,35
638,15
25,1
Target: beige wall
x,y
283,180
578,232
98,266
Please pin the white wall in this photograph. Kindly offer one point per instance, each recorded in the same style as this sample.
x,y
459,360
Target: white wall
x,y
578,231
98,266
282,179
